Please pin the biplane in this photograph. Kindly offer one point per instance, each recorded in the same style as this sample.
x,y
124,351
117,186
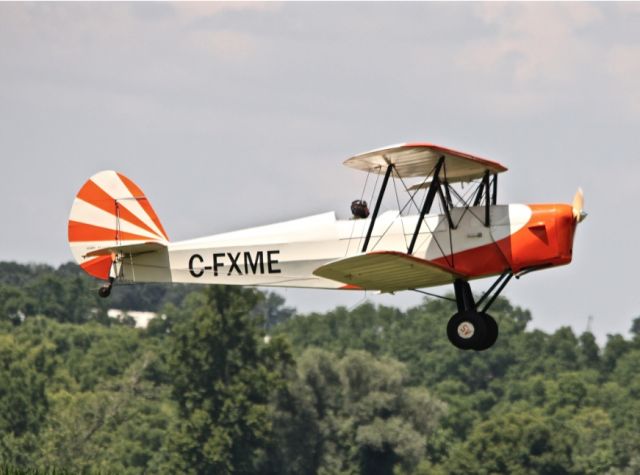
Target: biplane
x,y
447,229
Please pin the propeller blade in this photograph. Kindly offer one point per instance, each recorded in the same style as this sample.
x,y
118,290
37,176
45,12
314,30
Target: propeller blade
x,y
578,204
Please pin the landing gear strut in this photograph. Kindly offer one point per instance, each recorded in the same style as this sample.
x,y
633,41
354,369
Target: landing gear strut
x,y
470,328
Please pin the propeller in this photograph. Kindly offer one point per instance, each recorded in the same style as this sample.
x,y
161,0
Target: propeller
x,y
578,204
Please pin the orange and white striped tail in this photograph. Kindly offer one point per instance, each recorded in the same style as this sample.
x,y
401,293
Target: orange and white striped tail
x,y
110,211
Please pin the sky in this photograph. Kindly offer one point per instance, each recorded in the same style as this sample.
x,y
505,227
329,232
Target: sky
x,y
230,115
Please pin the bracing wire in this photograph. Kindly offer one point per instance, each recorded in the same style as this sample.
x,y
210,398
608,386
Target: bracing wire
x,y
353,226
434,295
375,186
359,302
404,235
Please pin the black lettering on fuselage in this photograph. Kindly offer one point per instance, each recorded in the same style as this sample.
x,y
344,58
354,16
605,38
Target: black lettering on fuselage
x,y
191,270
234,263
217,264
271,262
253,265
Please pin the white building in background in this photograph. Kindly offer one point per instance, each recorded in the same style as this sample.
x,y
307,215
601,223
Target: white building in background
x,y
142,319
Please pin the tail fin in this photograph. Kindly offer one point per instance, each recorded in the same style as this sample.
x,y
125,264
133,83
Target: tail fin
x,y
110,212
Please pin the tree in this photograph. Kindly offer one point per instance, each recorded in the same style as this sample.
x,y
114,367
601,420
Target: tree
x,y
15,304
522,441
23,402
589,351
593,445
271,307
635,327
372,389
223,377
356,414
116,427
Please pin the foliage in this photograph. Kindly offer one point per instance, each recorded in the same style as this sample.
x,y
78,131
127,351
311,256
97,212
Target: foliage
x,y
67,294
368,390
222,379
353,414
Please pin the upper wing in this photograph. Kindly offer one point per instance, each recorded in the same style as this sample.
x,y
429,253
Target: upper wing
x,y
386,271
419,159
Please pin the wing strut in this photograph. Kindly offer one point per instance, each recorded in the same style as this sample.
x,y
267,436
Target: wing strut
x,y
500,283
377,208
445,205
487,199
485,192
433,188
494,197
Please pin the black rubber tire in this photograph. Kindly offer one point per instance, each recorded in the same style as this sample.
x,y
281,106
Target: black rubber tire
x,y
475,322
491,334
104,291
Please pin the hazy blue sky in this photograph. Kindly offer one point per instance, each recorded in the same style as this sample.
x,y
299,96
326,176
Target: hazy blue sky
x,y
232,115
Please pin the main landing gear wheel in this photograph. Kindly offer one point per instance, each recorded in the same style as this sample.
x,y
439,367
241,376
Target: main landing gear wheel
x,y
471,330
492,332
467,330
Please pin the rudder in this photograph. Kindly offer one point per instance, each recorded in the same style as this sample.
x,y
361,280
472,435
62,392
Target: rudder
x,y
110,211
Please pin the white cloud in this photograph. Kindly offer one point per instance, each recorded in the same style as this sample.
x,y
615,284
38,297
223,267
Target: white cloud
x,y
71,33
533,44
628,8
227,45
624,68
199,10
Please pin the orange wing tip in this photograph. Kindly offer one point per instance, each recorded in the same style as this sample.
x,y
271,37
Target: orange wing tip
x,y
351,287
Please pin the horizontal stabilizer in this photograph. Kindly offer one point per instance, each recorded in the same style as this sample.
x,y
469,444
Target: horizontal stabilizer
x,y
129,249
387,272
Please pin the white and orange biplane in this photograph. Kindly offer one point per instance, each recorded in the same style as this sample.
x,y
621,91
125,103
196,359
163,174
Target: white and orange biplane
x,y
115,235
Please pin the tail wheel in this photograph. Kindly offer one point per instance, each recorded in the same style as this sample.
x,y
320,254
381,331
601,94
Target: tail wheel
x,y
492,332
467,330
104,291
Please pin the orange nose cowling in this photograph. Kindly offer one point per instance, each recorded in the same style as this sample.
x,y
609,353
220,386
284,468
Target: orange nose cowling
x,y
546,240
566,223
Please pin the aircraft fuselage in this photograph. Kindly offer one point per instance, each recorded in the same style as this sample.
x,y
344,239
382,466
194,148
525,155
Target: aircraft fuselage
x,y
286,254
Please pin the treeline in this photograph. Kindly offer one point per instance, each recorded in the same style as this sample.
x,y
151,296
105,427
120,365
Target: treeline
x,y
67,294
229,380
